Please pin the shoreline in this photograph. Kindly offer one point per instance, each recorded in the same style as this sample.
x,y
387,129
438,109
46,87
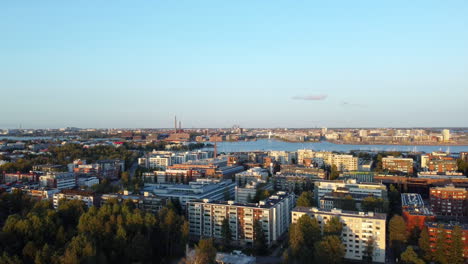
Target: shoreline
x,y
398,144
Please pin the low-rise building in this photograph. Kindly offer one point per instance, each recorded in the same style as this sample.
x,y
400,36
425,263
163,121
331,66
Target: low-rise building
x,y
303,170
87,181
212,189
89,198
63,180
358,228
322,188
274,214
359,176
147,202
23,177
414,211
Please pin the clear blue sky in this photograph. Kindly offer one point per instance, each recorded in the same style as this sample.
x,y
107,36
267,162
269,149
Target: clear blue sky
x,y
219,63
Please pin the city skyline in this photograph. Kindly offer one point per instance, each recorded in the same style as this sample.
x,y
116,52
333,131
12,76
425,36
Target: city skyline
x,y
218,64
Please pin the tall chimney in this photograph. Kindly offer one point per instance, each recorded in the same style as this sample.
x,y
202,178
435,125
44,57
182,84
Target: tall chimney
x,y
215,150
175,124
180,126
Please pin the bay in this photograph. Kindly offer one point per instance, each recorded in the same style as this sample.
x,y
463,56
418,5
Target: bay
x,y
267,145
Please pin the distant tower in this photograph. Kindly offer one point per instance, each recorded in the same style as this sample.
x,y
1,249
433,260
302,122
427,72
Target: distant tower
x,y
180,126
175,124
446,135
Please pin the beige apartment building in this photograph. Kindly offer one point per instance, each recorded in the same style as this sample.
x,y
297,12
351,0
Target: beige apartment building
x,y
358,228
206,217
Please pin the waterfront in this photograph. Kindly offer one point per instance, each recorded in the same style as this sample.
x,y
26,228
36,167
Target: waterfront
x,y
266,145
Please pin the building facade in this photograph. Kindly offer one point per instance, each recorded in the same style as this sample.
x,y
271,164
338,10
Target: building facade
x,y
274,214
358,228
449,201
401,165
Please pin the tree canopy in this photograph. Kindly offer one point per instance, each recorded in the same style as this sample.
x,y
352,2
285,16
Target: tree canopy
x,y
306,199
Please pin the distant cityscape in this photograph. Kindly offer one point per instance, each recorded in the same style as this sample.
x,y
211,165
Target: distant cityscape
x,y
253,206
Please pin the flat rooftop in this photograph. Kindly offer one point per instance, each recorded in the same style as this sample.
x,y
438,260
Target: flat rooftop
x,y
314,210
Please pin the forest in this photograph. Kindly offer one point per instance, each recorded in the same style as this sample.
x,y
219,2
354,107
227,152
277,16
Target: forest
x,y
33,232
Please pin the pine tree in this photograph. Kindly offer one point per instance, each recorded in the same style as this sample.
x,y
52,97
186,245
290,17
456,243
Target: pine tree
x,y
398,234
369,250
333,227
306,199
410,257
260,243
456,247
330,250
310,229
226,233
441,247
424,245
205,252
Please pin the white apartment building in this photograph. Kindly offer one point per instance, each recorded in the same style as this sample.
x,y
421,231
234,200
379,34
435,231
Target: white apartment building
x,y
283,157
253,174
304,154
321,188
205,218
345,162
358,228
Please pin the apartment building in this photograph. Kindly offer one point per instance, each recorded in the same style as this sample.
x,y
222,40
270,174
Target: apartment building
x,y
345,162
89,198
321,188
399,165
283,157
293,182
443,165
246,193
205,218
253,174
303,170
449,201
358,227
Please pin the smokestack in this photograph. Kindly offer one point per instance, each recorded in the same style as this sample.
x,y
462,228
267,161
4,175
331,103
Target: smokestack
x,y
175,124
180,126
215,150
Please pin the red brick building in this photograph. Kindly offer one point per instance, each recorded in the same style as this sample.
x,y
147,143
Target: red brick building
x,y
415,213
444,164
402,165
449,201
